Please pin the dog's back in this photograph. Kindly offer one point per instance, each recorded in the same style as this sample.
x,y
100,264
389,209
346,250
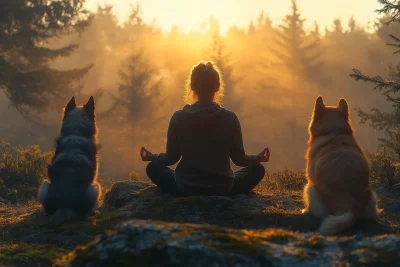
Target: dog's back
x,y
341,174
73,170
69,184
337,169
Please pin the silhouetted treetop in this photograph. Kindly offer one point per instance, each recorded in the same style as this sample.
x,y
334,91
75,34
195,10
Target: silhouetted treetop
x,y
391,9
298,52
26,77
139,88
389,122
219,54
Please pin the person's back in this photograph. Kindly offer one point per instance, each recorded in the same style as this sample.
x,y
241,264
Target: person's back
x,y
204,131
206,136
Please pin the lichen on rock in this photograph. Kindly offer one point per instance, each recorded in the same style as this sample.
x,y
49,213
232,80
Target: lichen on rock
x,y
138,200
152,243
260,220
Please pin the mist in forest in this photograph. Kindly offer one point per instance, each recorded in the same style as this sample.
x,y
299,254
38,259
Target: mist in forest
x,y
273,73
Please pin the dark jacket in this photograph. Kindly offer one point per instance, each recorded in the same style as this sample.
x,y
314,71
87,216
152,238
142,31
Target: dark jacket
x,y
206,136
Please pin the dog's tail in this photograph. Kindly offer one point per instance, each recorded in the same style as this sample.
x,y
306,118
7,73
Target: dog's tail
x,y
64,215
336,224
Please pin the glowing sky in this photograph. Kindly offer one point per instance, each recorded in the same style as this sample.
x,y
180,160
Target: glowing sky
x,y
189,14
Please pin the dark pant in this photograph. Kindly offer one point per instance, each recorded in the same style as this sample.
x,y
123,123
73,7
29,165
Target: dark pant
x,y
245,179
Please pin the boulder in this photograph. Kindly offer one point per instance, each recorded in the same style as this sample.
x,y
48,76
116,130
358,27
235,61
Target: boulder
x,y
152,243
124,192
258,219
138,200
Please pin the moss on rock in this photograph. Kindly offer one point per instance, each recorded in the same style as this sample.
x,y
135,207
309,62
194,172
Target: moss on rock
x,y
248,213
137,200
26,255
152,243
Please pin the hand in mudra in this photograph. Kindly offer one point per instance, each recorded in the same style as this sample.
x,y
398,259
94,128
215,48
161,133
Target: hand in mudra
x,y
145,154
264,155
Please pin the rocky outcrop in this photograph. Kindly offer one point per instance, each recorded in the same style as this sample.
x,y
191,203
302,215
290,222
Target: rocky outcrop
x,y
144,243
258,239
137,200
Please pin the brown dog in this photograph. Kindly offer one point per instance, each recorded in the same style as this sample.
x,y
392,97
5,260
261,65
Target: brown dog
x,y
338,172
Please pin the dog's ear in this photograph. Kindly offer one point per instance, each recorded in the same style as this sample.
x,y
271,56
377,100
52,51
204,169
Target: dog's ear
x,y
343,107
319,108
89,107
70,106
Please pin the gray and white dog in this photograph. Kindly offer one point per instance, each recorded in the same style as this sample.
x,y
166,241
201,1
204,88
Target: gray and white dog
x,y
73,191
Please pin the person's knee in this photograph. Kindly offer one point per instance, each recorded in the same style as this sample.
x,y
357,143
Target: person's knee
x,y
150,169
259,171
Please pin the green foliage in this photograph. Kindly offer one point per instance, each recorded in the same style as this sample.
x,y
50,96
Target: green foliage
x,y
384,169
391,9
30,254
26,77
389,122
22,169
285,180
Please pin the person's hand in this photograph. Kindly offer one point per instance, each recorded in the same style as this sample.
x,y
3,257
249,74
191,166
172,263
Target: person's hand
x,y
264,155
145,154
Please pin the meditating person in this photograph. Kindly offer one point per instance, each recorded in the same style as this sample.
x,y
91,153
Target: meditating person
x,y
206,136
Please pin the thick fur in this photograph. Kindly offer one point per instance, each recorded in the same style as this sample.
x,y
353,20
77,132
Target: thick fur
x,y
72,190
338,172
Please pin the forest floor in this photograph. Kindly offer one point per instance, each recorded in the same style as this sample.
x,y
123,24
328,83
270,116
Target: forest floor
x,y
28,238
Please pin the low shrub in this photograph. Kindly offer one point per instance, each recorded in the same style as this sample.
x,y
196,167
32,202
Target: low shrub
x,y
22,169
285,180
385,169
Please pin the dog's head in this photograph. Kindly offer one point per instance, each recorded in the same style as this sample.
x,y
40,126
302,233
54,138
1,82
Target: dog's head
x,y
79,120
329,120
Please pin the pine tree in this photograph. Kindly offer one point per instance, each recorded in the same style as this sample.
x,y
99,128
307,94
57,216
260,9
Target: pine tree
x,y
383,30
100,45
300,56
389,122
139,89
218,54
316,32
138,104
26,77
263,22
251,29
337,27
139,81
352,24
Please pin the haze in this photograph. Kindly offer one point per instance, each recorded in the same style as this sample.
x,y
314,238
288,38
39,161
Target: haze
x,y
189,15
270,88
